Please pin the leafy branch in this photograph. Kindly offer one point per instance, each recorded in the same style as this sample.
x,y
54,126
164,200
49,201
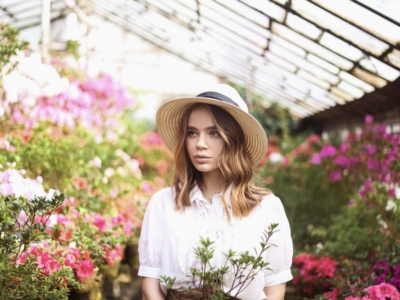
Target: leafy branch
x,y
209,280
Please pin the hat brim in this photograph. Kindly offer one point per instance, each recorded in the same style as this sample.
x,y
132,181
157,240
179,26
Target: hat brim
x,y
171,112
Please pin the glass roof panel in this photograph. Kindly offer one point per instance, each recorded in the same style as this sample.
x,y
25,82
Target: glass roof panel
x,y
338,100
341,94
368,77
380,68
227,13
394,57
287,45
236,27
294,93
339,27
323,63
270,9
280,62
232,36
303,26
390,8
283,2
302,63
356,82
312,78
181,9
340,47
351,89
311,46
246,11
312,105
364,18
318,103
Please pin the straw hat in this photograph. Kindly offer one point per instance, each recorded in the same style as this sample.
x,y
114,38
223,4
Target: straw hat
x,y
171,112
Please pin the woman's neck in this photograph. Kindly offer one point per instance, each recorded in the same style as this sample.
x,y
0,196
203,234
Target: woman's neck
x,y
212,183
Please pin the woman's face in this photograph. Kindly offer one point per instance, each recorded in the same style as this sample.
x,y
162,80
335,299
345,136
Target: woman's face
x,y
203,142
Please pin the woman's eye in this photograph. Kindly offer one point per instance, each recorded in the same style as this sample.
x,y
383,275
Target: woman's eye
x,y
191,133
214,133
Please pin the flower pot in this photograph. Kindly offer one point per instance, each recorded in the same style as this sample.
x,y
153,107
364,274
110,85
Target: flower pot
x,y
194,294
132,256
91,289
111,272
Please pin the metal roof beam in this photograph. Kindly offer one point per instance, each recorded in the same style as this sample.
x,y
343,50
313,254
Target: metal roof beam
x,y
376,12
380,58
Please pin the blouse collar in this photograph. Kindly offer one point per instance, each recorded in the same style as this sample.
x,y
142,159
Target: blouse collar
x,y
196,194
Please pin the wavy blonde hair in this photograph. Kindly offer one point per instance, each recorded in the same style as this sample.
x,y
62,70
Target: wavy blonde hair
x,y
234,164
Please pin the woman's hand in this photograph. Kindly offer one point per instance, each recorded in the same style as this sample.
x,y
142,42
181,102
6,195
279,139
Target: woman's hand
x,y
151,289
275,292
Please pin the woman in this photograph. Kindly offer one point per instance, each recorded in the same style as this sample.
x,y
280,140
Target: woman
x,y
217,145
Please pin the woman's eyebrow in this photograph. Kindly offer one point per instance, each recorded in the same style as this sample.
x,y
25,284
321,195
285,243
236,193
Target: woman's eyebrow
x,y
207,128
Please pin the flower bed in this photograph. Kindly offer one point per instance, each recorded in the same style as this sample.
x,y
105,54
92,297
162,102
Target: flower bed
x,y
342,198
76,172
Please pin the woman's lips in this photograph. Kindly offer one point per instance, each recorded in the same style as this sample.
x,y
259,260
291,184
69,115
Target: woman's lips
x,y
201,158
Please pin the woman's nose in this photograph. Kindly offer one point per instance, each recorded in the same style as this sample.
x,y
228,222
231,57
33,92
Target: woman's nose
x,y
201,142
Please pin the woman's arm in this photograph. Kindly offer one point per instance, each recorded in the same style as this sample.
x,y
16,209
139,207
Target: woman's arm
x,y
275,292
151,289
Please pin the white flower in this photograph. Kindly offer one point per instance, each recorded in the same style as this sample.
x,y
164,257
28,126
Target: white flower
x,y
109,172
391,205
275,157
95,162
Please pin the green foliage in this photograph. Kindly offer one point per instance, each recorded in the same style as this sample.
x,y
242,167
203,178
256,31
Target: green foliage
x,y
208,280
355,234
26,280
310,199
9,45
16,237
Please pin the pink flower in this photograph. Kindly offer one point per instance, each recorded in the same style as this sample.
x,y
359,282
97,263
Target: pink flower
x,y
313,138
369,119
335,176
342,161
328,151
70,260
100,223
22,258
382,291
22,218
316,159
84,269
372,164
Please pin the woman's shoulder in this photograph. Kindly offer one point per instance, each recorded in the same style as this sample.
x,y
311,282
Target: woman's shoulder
x,y
163,197
270,201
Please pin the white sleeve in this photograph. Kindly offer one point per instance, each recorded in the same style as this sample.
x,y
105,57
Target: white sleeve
x,y
151,238
279,256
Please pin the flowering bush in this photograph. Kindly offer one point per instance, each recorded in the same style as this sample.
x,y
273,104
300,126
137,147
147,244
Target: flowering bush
x,y
357,181
72,133
314,274
27,271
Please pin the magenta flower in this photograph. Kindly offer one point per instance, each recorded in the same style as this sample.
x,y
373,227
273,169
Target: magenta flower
x,y
328,151
372,164
369,119
344,147
335,176
100,223
370,149
84,269
367,187
22,258
316,159
382,291
342,161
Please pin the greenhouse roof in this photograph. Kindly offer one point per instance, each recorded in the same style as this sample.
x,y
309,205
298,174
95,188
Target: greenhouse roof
x,y
307,55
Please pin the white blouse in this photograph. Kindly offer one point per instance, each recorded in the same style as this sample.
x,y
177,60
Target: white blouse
x,y
168,239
